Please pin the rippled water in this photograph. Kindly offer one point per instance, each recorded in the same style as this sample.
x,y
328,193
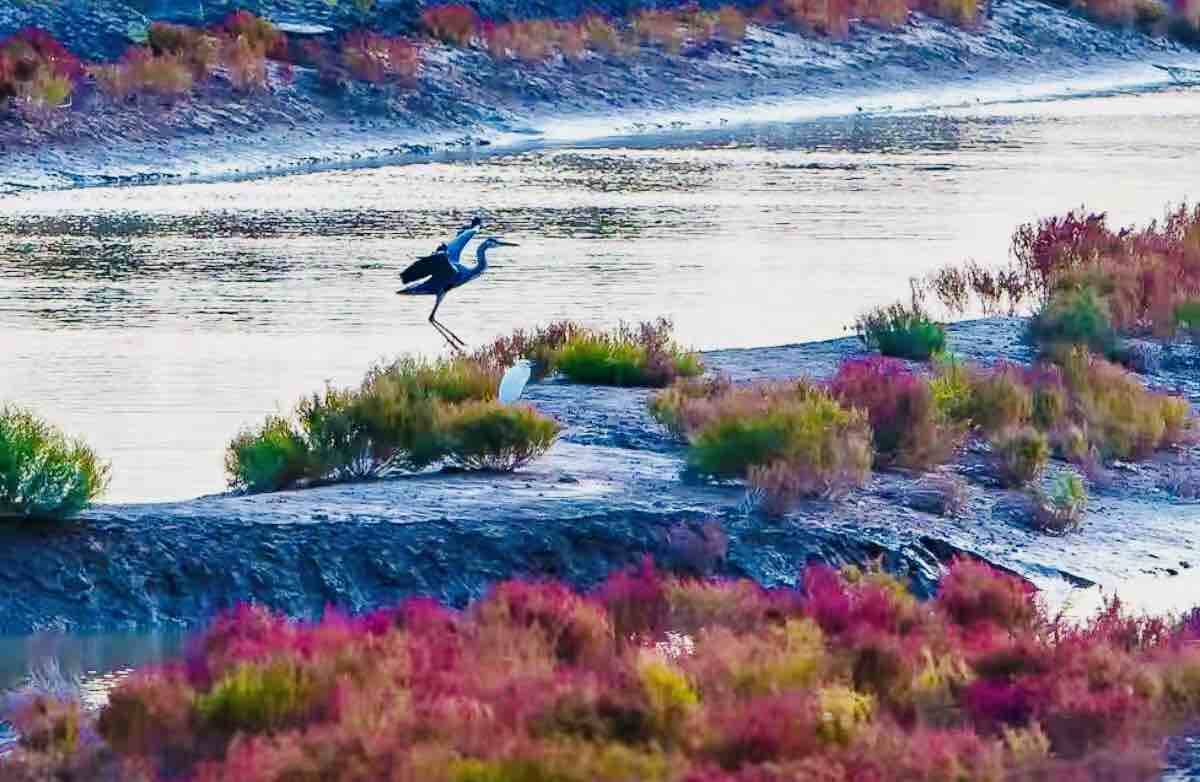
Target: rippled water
x,y
156,321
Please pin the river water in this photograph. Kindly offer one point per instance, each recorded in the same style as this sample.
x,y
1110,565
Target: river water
x,y
155,321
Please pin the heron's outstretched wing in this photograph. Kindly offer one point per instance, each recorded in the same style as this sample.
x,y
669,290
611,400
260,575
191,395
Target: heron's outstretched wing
x,y
455,247
436,266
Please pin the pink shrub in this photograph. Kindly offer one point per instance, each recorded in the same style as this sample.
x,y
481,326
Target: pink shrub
x,y
453,23
649,677
900,406
378,59
972,593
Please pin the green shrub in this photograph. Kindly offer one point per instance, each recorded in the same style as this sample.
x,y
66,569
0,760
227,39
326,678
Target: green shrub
x,y
256,698
599,360
1123,419
680,407
492,436
1075,317
407,414
951,388
627,356
1021,455
336,436
902,332
800,445
540,347
642,355
269,458
43,474
1062,508
1000,399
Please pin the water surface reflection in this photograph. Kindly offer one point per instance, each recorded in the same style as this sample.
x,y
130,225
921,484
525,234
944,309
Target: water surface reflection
x,y
158,320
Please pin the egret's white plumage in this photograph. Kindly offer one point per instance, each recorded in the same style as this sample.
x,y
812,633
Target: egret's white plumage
x,y
514,381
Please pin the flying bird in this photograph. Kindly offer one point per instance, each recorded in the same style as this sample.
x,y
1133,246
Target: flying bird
x,y
439,273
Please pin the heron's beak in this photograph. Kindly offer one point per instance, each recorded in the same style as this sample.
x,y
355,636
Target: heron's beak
x,y
506,244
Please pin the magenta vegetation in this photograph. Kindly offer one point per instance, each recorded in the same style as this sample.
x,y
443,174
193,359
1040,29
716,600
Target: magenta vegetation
x,y
649,677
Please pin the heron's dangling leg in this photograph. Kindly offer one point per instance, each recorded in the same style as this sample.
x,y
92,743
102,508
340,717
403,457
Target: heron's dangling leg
x,y
450,337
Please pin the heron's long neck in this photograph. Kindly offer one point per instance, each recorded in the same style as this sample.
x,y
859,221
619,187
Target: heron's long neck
x,y
481,262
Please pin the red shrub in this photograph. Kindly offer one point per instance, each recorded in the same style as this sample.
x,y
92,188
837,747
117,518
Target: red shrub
x,y
259,35
32,43
850,679
899,403
971,593
36,67
453,23
379,59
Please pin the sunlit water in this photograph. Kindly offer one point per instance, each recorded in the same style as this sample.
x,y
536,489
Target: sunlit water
x,y
156,321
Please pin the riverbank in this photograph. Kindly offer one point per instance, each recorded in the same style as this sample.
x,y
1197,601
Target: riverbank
x,y
612,491
466,102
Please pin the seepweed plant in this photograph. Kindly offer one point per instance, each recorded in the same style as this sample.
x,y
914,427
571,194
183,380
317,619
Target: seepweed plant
x,y
901,331
487,435
1061,509
43,474
406,415
788,443
1074,317
643,355
1085,277
790,440
907,425
845,675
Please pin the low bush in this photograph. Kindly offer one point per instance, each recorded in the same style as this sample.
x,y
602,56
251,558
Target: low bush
x,y
256,33
199,49
140,71
1061,509
43,474
1000,398
1123,419
644,356
453,23
36,70
379,59
661,28
789,440
907,426
692,403
845,676
901,331
952,388
1021,455
269,458
1187,318
1075,317
408,414
1081,271
492,436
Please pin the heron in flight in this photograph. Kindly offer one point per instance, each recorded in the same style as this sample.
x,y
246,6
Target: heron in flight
x,y
441,272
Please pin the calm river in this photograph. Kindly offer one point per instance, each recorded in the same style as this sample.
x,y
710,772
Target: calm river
x,y
156,321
